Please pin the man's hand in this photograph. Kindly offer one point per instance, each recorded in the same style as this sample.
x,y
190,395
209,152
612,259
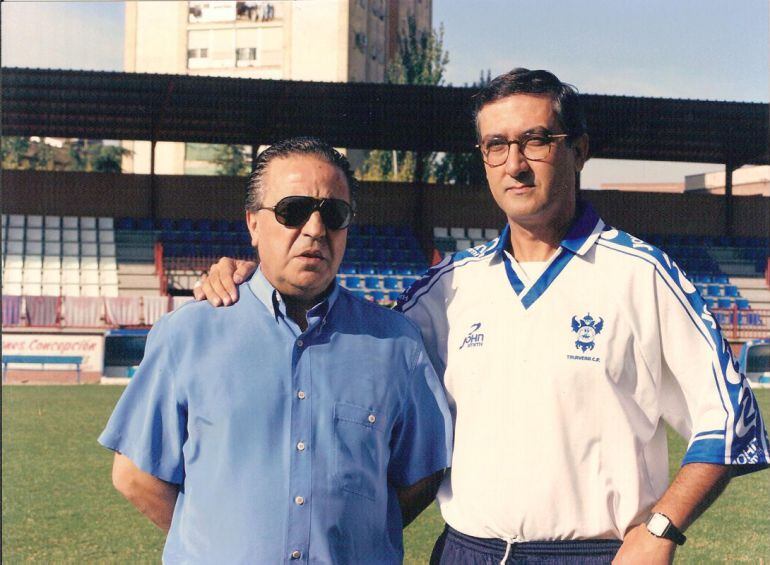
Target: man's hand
x,y
151,496
640,546
219,285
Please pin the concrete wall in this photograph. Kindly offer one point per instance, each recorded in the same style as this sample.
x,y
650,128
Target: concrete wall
x,y
95,194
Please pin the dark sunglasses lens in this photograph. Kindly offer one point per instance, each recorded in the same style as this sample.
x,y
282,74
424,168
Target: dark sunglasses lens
x,y
336,214
294,211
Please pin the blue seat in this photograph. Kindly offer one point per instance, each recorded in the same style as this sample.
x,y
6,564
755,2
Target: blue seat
x,y
730,290
404,270
352,282
369,230
348,269
164,224
367,269
360,293
714,290
377,295
406,282
352,254
393,295
184,225
721,279
144,224
221,225
387,269
124,224
203,225
742,303
391,283
373,282
724,303
207,250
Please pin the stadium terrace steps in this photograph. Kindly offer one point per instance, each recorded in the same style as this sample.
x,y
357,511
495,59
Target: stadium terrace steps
x,y
754,289
137,279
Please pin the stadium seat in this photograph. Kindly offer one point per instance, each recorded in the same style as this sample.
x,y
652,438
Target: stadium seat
x,y
440,232
393,295
491,233
34,233
373,282
87,236
352,282
87,223
16,220
457,232
70,235
106,224
106,236
52,234
348,269
724,303
462,244
14,247
475,233
377,295
742,303
33,248
391,283
34,221
89,263
69,222
15,233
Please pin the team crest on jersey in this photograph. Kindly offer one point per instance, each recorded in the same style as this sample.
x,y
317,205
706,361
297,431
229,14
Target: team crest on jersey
x,y
474,338
586,329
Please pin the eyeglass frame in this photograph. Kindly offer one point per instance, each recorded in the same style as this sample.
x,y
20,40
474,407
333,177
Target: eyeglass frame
x,y
551,137
318,202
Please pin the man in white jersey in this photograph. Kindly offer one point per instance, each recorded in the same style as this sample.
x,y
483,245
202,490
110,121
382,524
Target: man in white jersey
x,y
564,345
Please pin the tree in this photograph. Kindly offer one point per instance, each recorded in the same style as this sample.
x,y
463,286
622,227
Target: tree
x,y
74,155
422,60
231,161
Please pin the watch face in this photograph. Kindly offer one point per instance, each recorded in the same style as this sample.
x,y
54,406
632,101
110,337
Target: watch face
x,y
657,524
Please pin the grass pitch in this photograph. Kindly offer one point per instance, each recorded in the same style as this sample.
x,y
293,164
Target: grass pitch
x,y
59,504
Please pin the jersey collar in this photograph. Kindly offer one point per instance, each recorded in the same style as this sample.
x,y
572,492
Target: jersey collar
x,y
585,230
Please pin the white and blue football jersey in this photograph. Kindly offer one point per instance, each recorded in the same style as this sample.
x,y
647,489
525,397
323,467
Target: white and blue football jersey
x,y
559,387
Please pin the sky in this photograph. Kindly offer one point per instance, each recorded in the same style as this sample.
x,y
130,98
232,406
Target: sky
x,y
701,49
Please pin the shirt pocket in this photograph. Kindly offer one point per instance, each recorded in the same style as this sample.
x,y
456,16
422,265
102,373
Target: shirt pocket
x,y
360,445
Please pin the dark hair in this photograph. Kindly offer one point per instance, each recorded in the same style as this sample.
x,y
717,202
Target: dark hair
x,y
255,190
566,101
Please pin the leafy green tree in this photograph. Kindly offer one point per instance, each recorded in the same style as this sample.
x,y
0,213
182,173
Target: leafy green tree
x,y
14,152
231,160
421,60
74,155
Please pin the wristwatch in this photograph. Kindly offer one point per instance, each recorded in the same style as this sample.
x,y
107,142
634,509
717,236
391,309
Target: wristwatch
x,y
660,526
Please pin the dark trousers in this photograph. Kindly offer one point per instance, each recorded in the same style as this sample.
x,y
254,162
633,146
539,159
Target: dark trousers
x,y
455,548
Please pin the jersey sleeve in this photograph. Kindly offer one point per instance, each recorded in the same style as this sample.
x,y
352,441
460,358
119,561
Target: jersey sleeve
x,y
702,394
425,304
422,437
149,423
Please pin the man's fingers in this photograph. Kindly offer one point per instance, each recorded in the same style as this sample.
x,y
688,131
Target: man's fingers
x,y
243,270
198,293
216,292
224,274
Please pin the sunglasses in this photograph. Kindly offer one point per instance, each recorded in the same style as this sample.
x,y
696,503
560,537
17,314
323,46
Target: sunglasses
x,y
294,211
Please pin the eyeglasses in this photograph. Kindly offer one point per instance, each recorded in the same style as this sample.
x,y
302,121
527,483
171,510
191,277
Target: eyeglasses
x,y
294,211
534,148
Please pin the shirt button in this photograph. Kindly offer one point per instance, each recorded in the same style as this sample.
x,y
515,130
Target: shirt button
x,y
372,418
296,554
301,395
300,343
300,446
299,500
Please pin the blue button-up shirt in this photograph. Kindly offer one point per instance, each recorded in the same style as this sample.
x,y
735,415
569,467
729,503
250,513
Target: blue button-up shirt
x,y
286,445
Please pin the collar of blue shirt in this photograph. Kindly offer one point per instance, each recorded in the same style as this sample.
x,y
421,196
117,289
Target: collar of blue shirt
x,y
271,298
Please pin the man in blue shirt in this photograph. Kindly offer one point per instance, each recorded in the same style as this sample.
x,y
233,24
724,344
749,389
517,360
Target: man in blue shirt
x,y
302,424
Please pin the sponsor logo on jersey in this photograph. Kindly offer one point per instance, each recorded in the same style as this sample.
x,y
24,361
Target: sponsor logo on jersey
x,y
474,338
586,329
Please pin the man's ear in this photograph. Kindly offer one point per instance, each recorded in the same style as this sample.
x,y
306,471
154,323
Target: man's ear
x,y
580,147
252,224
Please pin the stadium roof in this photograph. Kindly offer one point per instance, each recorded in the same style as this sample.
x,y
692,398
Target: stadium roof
x,y
129,106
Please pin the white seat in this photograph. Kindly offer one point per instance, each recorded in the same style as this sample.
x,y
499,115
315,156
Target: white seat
x,y
15,247
51,290
34,248
11,275
35,221
457,233
107,249
88,236
461,244
70,249
5,220
32,276
52,248
16,221
53,221
34,233
109,290
88,249
106,223
70,263
33,262
106,236
69,222
491,233
12,288
15,234
51,277
89,277
440,232
51,263
31,289
52,234
13,261
87,223
89,264
475,233
108,264
70,235
108,277
70,277
70,289
89,290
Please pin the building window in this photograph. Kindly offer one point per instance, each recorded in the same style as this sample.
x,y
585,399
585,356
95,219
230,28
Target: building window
x,y
361,41
246,56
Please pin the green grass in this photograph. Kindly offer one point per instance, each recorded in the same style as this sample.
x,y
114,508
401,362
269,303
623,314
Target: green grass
x,y
59,505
